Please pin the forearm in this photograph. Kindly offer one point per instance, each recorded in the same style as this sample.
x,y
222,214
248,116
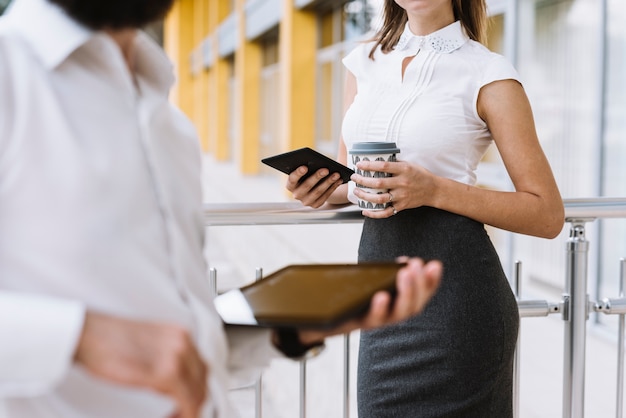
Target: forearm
x,y
522,212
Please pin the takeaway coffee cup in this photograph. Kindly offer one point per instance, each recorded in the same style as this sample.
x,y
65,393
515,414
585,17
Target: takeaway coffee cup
x,y
372,151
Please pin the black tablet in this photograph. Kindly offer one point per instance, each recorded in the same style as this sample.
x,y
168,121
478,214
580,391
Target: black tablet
x,y
314,160
308,295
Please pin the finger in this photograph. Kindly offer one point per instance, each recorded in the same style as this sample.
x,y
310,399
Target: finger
x,y
426,279
182,373
317,196
315,178
391,167
311,190
433,272
199,372
295,176
329,191
187,408
383,183
379,214
376,198
378,314
407,302
190,391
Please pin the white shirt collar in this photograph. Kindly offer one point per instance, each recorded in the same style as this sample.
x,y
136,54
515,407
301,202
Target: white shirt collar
x,y
54,36
444,41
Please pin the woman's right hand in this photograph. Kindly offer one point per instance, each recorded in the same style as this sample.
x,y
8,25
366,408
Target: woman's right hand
x,y
315,190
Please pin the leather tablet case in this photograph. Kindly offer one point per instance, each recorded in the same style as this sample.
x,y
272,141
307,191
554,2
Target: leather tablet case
x,y
308,295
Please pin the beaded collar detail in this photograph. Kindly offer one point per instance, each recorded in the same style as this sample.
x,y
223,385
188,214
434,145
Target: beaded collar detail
x,y
443,41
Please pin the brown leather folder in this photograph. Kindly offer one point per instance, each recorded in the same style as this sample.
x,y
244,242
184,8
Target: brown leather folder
x,y
308,295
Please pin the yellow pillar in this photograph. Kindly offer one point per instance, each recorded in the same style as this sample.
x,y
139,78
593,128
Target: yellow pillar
x,y
218,81
248,76
297,51
178,43
200,83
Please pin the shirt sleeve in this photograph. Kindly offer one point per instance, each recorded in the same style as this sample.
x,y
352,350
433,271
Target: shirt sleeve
x,y
250,351
38,337
356,60
499,68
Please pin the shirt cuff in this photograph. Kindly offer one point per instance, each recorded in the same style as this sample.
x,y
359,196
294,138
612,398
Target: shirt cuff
x,y
250,352
39,335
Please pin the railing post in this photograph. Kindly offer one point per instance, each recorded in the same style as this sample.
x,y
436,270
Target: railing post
x,y
303,389
620,344
517,287
346,375
258,385
213,281
575,315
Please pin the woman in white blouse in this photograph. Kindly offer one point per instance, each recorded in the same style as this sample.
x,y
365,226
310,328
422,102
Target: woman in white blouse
x,y
426,83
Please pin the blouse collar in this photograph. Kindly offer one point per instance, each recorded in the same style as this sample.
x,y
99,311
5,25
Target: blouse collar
x,y
443,41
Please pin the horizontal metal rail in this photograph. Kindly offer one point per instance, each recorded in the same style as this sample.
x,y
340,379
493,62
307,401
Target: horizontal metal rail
x,y
286,213
594,208
278,213
530,308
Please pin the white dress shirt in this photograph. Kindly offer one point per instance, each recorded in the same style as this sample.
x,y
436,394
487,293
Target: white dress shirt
x,y
430,111
100,209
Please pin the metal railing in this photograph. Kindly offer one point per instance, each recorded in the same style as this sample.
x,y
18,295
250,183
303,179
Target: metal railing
x,y
574,307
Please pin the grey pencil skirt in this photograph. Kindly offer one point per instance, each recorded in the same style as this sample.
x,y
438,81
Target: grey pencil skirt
x,y
456,358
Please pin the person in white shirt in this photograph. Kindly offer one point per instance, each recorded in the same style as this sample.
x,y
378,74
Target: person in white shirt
x,y
105,309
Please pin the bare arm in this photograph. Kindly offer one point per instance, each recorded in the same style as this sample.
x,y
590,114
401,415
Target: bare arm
x,y
534,208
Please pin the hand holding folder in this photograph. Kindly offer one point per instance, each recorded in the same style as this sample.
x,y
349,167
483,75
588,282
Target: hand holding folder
x,y
323,300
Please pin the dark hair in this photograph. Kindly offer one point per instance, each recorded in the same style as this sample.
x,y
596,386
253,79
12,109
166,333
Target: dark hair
x,y
471,13
115,14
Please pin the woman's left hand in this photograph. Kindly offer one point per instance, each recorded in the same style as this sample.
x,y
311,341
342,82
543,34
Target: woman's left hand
x,y
410,186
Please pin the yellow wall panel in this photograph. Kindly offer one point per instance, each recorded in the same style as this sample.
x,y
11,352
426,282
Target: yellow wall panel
x,y
248,61
219,100
297,44
247,116
200,83
178,43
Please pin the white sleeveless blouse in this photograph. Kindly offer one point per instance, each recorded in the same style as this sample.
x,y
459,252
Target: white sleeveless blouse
x,y
430,114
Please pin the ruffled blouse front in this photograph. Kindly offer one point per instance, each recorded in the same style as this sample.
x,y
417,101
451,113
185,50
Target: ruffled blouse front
x,y
430,111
